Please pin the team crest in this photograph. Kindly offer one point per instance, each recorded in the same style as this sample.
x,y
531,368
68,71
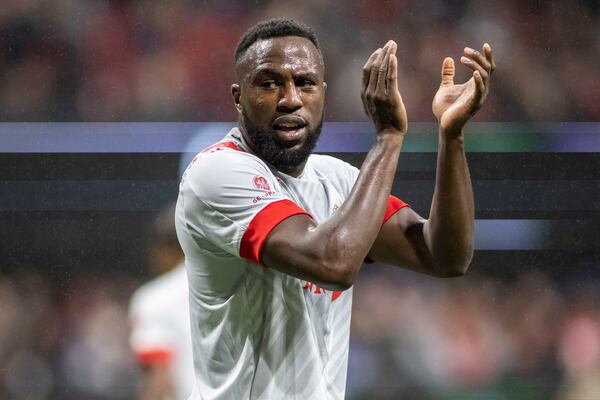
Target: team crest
x,y
260,182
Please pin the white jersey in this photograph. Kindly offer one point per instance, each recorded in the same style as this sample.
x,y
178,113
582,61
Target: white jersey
x,y
159,314
258,333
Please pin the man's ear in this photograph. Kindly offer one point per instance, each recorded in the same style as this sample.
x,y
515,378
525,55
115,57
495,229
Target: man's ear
x,y
324,85
236,93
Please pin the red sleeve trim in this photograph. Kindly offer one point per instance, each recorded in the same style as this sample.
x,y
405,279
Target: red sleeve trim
x,y
262,224
220,146
394,204
154,356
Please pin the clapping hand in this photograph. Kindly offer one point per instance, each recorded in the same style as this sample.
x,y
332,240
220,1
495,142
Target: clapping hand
x,y
454,104
380,95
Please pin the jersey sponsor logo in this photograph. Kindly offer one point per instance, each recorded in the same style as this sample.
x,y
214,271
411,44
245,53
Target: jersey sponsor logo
x,y
313,288
263,196
260,182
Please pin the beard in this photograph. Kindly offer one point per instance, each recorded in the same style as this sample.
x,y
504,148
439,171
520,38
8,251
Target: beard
x,y
277,153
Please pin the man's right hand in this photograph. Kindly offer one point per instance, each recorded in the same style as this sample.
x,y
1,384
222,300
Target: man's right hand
x,y
380,95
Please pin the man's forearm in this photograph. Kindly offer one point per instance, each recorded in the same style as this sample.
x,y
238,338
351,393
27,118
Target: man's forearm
x,y
330,253
449,230
351,231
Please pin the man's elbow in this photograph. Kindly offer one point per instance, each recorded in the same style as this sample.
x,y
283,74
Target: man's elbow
x,y
342,280
454,266
454,271
338,276
338,286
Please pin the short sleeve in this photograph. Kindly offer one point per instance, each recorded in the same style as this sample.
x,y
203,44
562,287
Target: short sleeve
x,y
232,200
344,176
394,205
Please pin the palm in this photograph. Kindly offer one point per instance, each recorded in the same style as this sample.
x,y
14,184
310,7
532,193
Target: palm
x,y
453,105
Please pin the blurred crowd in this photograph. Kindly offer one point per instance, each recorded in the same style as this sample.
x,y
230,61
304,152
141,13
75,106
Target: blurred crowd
x,y
145,60
65,339
412,337
474,338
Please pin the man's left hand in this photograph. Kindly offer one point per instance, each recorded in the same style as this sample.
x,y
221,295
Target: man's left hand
x,y
454,104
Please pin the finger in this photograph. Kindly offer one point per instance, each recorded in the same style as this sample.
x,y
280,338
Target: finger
x,y
487,51
392,73
448,72
479,86
478,58
367,76
367,68
476,61
469,63
375,70
384,67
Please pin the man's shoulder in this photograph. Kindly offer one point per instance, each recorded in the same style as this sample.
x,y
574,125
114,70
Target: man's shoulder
x,y
222,154
224,162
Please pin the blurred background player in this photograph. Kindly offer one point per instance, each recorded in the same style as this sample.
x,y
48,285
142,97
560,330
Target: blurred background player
x,y
159,315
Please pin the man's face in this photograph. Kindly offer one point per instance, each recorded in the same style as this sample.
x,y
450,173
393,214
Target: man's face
x,y
280,100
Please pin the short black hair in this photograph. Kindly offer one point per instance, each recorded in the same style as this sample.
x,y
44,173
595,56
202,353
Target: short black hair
x,y
276,27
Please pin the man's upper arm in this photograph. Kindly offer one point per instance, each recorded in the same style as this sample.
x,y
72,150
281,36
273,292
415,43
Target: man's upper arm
x,y
289,245
401,242
288,249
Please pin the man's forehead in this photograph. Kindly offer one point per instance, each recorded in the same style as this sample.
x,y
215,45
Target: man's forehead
x,y
287,51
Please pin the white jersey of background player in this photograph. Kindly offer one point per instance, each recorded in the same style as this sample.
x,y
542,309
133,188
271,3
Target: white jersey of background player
x,y
250,231
160,324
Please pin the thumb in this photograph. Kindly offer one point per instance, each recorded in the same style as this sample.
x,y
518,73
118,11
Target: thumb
x,y
448,72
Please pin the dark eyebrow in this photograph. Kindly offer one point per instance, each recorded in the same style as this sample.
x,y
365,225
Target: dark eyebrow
x,y
311,74
266,71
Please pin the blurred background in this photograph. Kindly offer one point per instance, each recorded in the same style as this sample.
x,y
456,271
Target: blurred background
x,y
100,99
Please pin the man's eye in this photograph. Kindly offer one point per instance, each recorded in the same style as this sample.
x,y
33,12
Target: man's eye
x,y
305,83
269,84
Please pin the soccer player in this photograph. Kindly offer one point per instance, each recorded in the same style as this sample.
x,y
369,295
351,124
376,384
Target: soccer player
x,y
274,236
160,324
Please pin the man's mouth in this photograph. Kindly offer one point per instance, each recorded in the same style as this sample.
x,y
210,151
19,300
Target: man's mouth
x,y
289,127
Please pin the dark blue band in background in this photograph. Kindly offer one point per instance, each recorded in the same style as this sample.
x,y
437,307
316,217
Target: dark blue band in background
x,y
180,137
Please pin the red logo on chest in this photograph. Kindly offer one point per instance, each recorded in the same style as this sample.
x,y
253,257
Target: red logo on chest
x,y
260,182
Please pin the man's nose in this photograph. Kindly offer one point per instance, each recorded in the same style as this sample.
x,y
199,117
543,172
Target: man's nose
x,y
290,99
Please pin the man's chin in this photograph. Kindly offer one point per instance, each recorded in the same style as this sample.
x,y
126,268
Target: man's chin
x,y
290,146
282,149
289,158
